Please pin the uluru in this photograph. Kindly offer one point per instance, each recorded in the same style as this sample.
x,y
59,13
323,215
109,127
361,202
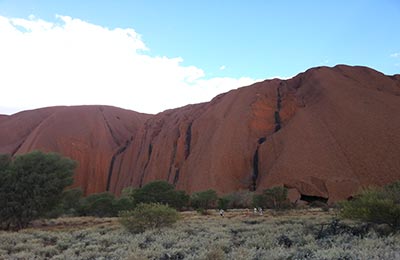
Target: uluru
x,y
325,133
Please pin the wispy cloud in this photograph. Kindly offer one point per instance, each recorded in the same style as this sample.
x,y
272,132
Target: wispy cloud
x,y
223,67
395,55
72,62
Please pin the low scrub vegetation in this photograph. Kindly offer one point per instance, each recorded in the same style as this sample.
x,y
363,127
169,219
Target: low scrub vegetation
x,y
204,200
148,216
273,198
376,206
160,192
238,235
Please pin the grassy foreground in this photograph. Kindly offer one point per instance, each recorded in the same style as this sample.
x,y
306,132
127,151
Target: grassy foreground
x,y
297,234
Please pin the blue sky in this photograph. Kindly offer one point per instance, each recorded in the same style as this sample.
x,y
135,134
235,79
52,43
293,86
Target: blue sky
x,y
239,39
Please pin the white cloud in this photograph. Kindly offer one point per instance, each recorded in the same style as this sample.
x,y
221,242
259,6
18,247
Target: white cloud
x,y
395,55
73,62
222,67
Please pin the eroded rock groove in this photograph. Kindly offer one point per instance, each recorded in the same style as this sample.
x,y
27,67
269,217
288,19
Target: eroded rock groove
x,y
278,108
188,140
254,174
111,167
150,150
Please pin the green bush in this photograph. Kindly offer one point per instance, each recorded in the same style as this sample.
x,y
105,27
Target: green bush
x,y
70,201
392,191
98,205
148,216
223,203
240,199
378,206
129,192
272,198
161,192
123,203
31,185
204,199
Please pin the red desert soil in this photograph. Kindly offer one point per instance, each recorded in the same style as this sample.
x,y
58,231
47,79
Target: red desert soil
x,y
324,134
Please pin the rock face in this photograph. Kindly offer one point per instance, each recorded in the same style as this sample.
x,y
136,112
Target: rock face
x,y
92,135
324,134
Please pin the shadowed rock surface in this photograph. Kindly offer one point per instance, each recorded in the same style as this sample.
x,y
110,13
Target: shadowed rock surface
x,y
324,134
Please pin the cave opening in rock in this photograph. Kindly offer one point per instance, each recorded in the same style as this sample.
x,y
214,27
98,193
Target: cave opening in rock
x,y
311,199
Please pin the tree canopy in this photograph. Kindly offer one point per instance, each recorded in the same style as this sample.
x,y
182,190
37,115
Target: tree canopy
x,y
31,185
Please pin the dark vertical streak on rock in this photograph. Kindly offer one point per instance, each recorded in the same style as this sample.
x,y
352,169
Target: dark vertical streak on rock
x,y
254,174
110,169
150,150
277,121
115,139
278,109
173,157
17,148
176,178
188,140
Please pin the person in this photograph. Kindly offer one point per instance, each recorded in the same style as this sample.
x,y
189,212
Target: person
x,y
221,212
260,211
255,211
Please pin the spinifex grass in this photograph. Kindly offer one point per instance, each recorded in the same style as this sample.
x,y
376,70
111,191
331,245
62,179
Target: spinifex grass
x,y
237,235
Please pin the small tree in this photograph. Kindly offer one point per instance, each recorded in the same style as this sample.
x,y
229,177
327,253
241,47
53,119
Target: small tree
x,y
273,198
148,216
379,206
204,199
31,185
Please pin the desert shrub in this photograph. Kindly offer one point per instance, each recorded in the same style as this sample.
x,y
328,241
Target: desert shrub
x,y
204,199
392,191
5,161
161,192
99,205
31,185
129,192
181,200
70,201
240,199
69,204
215,253
223,203
319,204
272,198
378,206
148,216
123,203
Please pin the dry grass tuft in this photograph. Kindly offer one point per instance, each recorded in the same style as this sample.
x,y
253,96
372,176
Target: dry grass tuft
x,y
238,235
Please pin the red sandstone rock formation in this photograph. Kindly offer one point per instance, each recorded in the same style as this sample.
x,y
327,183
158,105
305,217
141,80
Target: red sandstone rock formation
x,y
92,135
324,134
